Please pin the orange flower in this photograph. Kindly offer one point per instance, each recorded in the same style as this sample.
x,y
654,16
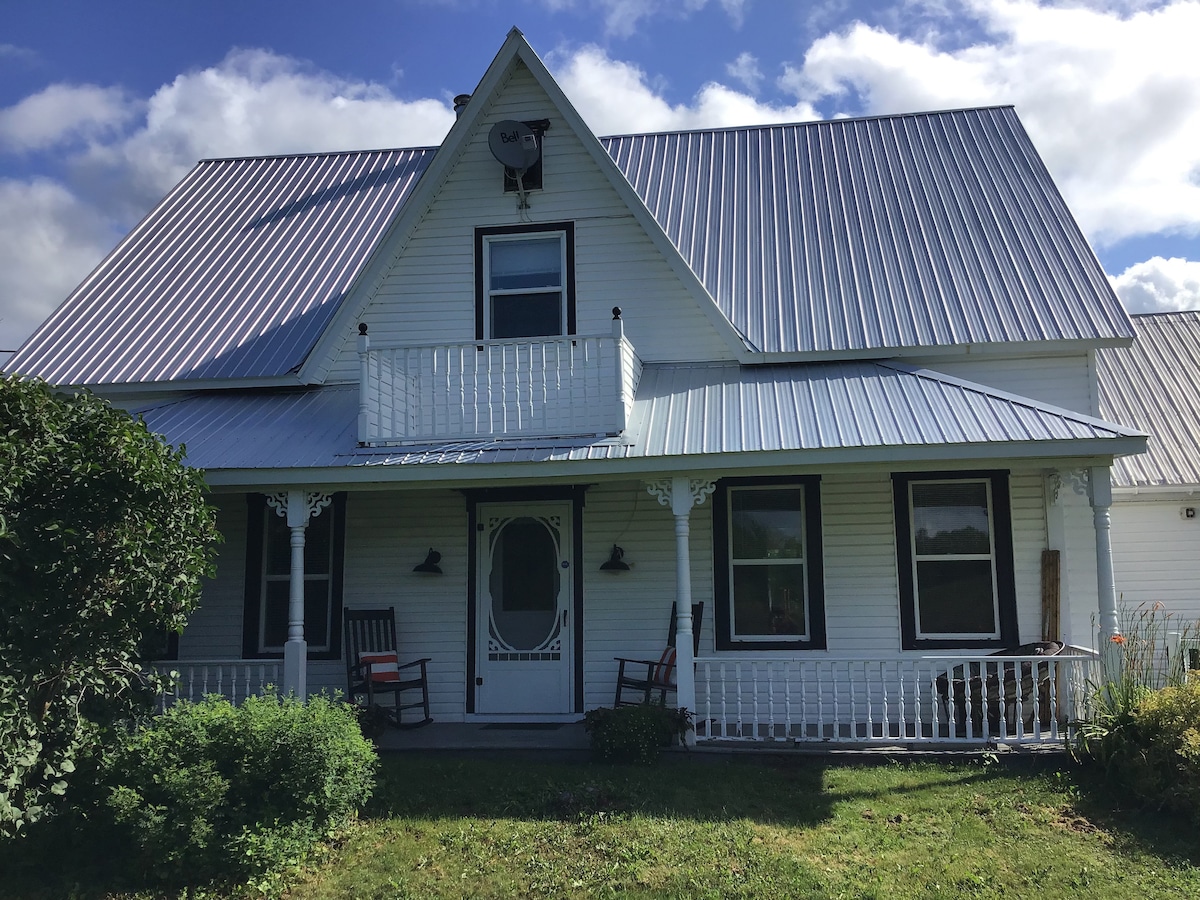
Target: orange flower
x,y
1117,638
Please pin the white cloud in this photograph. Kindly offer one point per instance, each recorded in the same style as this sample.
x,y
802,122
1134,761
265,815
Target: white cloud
x,y
745,69
62,113
1111,97
621,17
615,97
253,103
49,241
1159,285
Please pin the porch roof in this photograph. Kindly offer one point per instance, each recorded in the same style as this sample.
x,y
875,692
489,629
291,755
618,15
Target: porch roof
x,y
707,413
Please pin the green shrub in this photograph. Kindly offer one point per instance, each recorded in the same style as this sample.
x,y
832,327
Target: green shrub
x,y
635,733
1150,746
210,791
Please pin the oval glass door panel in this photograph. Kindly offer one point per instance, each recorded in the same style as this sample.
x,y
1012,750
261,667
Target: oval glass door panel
x,y
524,584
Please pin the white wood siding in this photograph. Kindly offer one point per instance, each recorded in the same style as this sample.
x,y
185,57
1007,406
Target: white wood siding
x,y
429,294
1064,381
628,613
1156,555
214,630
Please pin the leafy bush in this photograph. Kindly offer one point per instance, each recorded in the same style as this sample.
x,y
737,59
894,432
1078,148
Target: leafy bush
x,y
1162,759
213,791
105,536
635,733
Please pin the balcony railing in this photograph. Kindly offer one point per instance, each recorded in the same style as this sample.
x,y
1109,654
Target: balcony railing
x,y
531,387
233,679
904,700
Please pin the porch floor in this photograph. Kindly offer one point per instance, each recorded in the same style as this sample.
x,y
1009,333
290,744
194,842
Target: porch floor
x,y
570,738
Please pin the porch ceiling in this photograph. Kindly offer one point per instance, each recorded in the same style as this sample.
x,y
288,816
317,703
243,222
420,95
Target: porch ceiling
x,y
837,412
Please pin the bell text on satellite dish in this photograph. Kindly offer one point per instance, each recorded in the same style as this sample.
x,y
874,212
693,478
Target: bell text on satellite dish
x,y
514,144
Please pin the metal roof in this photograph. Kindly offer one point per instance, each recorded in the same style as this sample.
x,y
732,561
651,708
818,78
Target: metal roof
x,y
233,275
859,235
929,229
687,410
1155,386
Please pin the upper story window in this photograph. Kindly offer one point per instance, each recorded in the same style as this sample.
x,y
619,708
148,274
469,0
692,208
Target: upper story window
x,y
769,591
525,281
955,557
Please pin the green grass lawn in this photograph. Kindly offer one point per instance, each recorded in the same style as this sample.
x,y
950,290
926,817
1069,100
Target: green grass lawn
x,y
700,827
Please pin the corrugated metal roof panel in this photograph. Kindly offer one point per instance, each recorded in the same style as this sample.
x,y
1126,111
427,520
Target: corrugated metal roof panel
x,y
686,410
233,275
861,234
854,235
679,411
1155,386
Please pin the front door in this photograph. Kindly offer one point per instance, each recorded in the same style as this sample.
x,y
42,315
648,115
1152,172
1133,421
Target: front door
x,y
524,646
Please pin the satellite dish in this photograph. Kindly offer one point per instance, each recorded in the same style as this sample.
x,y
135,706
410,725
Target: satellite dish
x,y
513,144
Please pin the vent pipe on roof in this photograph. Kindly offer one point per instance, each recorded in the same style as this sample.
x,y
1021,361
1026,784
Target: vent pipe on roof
x,y
460,103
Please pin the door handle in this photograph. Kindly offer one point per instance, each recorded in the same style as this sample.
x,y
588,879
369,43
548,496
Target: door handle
x,y
564,624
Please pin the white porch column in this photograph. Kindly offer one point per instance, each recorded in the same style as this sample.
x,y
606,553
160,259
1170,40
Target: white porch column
x,y
297,507
1110,623
682,493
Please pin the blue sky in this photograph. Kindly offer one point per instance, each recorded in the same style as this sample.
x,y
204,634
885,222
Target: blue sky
x,y
105,104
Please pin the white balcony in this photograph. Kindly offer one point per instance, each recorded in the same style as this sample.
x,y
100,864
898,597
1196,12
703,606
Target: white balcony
x,y
530,387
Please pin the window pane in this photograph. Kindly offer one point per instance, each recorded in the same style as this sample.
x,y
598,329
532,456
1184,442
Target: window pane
x,y
317,537
767,524
316,614
768,600
526,315
278,553
524,583
317,555
276,614
950,518
955,597
517,265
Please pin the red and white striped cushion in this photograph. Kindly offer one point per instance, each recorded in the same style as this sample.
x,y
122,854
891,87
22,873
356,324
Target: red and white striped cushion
x,y
666,666
384,666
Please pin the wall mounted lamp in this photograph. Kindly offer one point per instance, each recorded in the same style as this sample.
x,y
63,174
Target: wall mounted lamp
x,y
616,562
430,566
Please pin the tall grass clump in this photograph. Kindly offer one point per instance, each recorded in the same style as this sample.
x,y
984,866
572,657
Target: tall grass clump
x,y
1143,725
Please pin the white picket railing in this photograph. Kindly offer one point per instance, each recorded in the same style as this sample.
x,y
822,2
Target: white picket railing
x,y
960,698
574,385
233,679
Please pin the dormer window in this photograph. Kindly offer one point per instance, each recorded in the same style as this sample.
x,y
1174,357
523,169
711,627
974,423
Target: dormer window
x,y
524,281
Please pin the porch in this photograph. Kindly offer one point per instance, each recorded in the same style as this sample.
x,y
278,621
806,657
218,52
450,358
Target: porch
x,y
777,702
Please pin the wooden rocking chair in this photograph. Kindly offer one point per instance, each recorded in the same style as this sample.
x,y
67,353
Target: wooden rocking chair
x,y
373,668
659,676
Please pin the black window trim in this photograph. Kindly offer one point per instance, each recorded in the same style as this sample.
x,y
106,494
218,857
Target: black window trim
x,y
814,563
1002,537
252,606
568,228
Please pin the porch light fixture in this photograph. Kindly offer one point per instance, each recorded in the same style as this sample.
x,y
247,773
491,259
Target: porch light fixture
x,y
430,566
615,562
